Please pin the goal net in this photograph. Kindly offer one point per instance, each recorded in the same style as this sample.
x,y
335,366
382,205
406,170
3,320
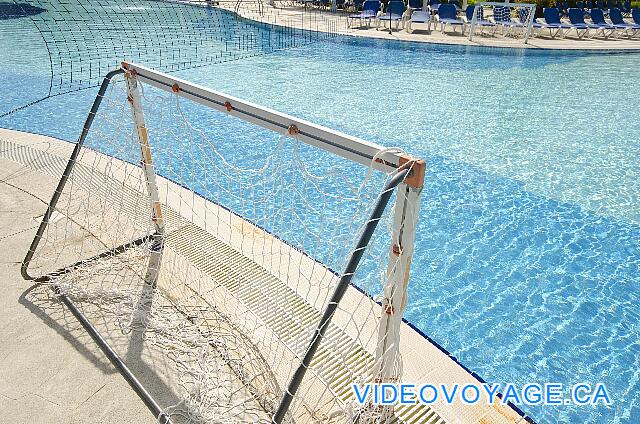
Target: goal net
x,y
513,20
69,45
264,257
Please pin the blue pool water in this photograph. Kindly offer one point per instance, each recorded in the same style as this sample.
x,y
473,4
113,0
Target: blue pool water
x,y
527,263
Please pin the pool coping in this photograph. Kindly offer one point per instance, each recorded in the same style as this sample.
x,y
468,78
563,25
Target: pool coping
x,y
401,36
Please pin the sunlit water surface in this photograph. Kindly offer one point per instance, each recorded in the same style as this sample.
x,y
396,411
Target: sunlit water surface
x,y
527,263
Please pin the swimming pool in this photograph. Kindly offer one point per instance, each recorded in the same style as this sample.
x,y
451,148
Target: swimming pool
x,y
527,260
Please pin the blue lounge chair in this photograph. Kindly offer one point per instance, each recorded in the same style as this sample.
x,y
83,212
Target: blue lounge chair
x,y
597,17
447,16
618,21
540,25
635,15
552,19
419,17
434,5
576,16
394,12
370,9
480,20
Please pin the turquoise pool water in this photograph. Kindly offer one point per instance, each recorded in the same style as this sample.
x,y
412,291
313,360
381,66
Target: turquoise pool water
x,y
527,262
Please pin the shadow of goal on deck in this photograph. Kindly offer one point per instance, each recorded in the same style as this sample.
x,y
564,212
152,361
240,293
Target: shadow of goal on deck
x,y
150,365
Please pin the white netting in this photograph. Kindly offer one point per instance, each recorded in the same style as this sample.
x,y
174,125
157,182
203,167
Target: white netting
x,y
257,228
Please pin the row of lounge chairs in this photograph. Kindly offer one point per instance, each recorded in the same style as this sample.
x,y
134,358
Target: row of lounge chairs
x,y
357,5
624,6
446,15
598,25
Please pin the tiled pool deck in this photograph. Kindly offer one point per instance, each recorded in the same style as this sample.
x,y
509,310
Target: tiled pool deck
x,y
50,370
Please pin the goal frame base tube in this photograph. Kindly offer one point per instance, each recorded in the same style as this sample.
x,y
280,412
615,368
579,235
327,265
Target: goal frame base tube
x,y
115,359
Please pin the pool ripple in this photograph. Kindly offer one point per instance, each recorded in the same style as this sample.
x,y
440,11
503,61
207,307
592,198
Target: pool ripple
x,y
527,263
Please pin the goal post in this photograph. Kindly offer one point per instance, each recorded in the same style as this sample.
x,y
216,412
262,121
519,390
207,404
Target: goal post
x,y
146,162
307,310
511,19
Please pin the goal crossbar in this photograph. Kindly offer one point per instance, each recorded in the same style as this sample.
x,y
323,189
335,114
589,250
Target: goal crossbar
x,y
349,147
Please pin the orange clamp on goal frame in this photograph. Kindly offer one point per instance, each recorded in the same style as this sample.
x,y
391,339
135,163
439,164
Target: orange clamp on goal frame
x,y
418,168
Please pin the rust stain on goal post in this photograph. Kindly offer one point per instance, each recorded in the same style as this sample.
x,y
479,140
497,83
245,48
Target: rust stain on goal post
x,y
145,149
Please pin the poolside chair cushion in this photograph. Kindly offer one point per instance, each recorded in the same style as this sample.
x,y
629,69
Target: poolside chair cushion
x,y
370,9
420,17
576,16
616,17
626,7
538,25
447,12
394,12
552,18
597,16
415,4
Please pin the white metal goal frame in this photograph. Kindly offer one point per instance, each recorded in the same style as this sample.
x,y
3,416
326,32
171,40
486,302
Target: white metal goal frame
x,y
407,181
525,26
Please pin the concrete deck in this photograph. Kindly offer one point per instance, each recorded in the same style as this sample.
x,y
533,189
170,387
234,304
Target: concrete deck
x,y
51,366
50,369
336,23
